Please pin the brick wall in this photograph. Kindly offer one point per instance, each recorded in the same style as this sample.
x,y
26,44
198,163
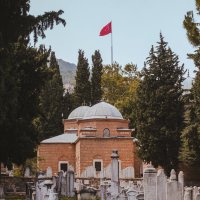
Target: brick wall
x,y
72,123
50,154
78,164
101,124
101,148
85,151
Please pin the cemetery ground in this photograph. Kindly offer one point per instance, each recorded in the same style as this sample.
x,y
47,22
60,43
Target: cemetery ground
x,y
23,198
154,185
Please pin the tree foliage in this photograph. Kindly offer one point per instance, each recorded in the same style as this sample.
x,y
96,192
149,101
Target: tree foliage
x,y
82,90
23,70
97,67
68,104
190,150
24,74
16,24
51,102
160,108
119,88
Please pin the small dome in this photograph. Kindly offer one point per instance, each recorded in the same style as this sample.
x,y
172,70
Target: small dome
x,y
103,110
79,112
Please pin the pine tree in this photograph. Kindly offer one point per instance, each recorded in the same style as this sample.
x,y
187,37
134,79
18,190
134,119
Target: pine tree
x,y
159,108
82,90
97,71
51,102
190,150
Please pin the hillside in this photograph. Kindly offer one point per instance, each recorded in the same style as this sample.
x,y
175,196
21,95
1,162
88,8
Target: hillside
x,y
68,72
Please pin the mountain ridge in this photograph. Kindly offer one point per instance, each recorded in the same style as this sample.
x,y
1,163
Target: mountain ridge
x,y
67,71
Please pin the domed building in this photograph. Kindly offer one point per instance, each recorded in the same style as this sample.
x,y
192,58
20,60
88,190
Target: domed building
x,y
90,135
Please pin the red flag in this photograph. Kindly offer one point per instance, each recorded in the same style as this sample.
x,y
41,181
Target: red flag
x,y
106,29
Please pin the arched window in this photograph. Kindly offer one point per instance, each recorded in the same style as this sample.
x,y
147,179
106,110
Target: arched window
x,y
106,132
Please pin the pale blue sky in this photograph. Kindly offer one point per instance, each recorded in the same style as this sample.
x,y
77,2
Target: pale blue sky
x,y
136,27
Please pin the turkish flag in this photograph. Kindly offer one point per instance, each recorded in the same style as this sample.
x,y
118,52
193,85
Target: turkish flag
x,y
106,29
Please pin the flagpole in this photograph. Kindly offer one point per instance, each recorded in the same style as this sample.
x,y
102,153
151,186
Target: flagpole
x,y
111,48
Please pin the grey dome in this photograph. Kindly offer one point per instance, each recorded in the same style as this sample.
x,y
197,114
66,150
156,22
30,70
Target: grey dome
x,y
102,110
79,112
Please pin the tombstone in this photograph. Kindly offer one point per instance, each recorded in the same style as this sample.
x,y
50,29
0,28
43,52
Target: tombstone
x,y
52,195
149,183
197,197
37,191
195,191
1,192
140,196
102,192
188,193
70,183
49,172
114,174
49,194
64,186
88,193
27,172
41,190
60,175
161,185
122,195
131,194
78,187
174,188
181,180
10,173
128,172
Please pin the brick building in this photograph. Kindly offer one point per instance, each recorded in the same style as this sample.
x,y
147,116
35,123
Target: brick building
x,y
90,135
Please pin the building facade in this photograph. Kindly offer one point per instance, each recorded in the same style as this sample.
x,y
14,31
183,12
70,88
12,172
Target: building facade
x,y
90,135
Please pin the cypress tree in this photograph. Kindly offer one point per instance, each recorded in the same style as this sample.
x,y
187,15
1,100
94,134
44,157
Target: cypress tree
x,y
51,102
97,71
159,114
190,150
67,104
82,90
